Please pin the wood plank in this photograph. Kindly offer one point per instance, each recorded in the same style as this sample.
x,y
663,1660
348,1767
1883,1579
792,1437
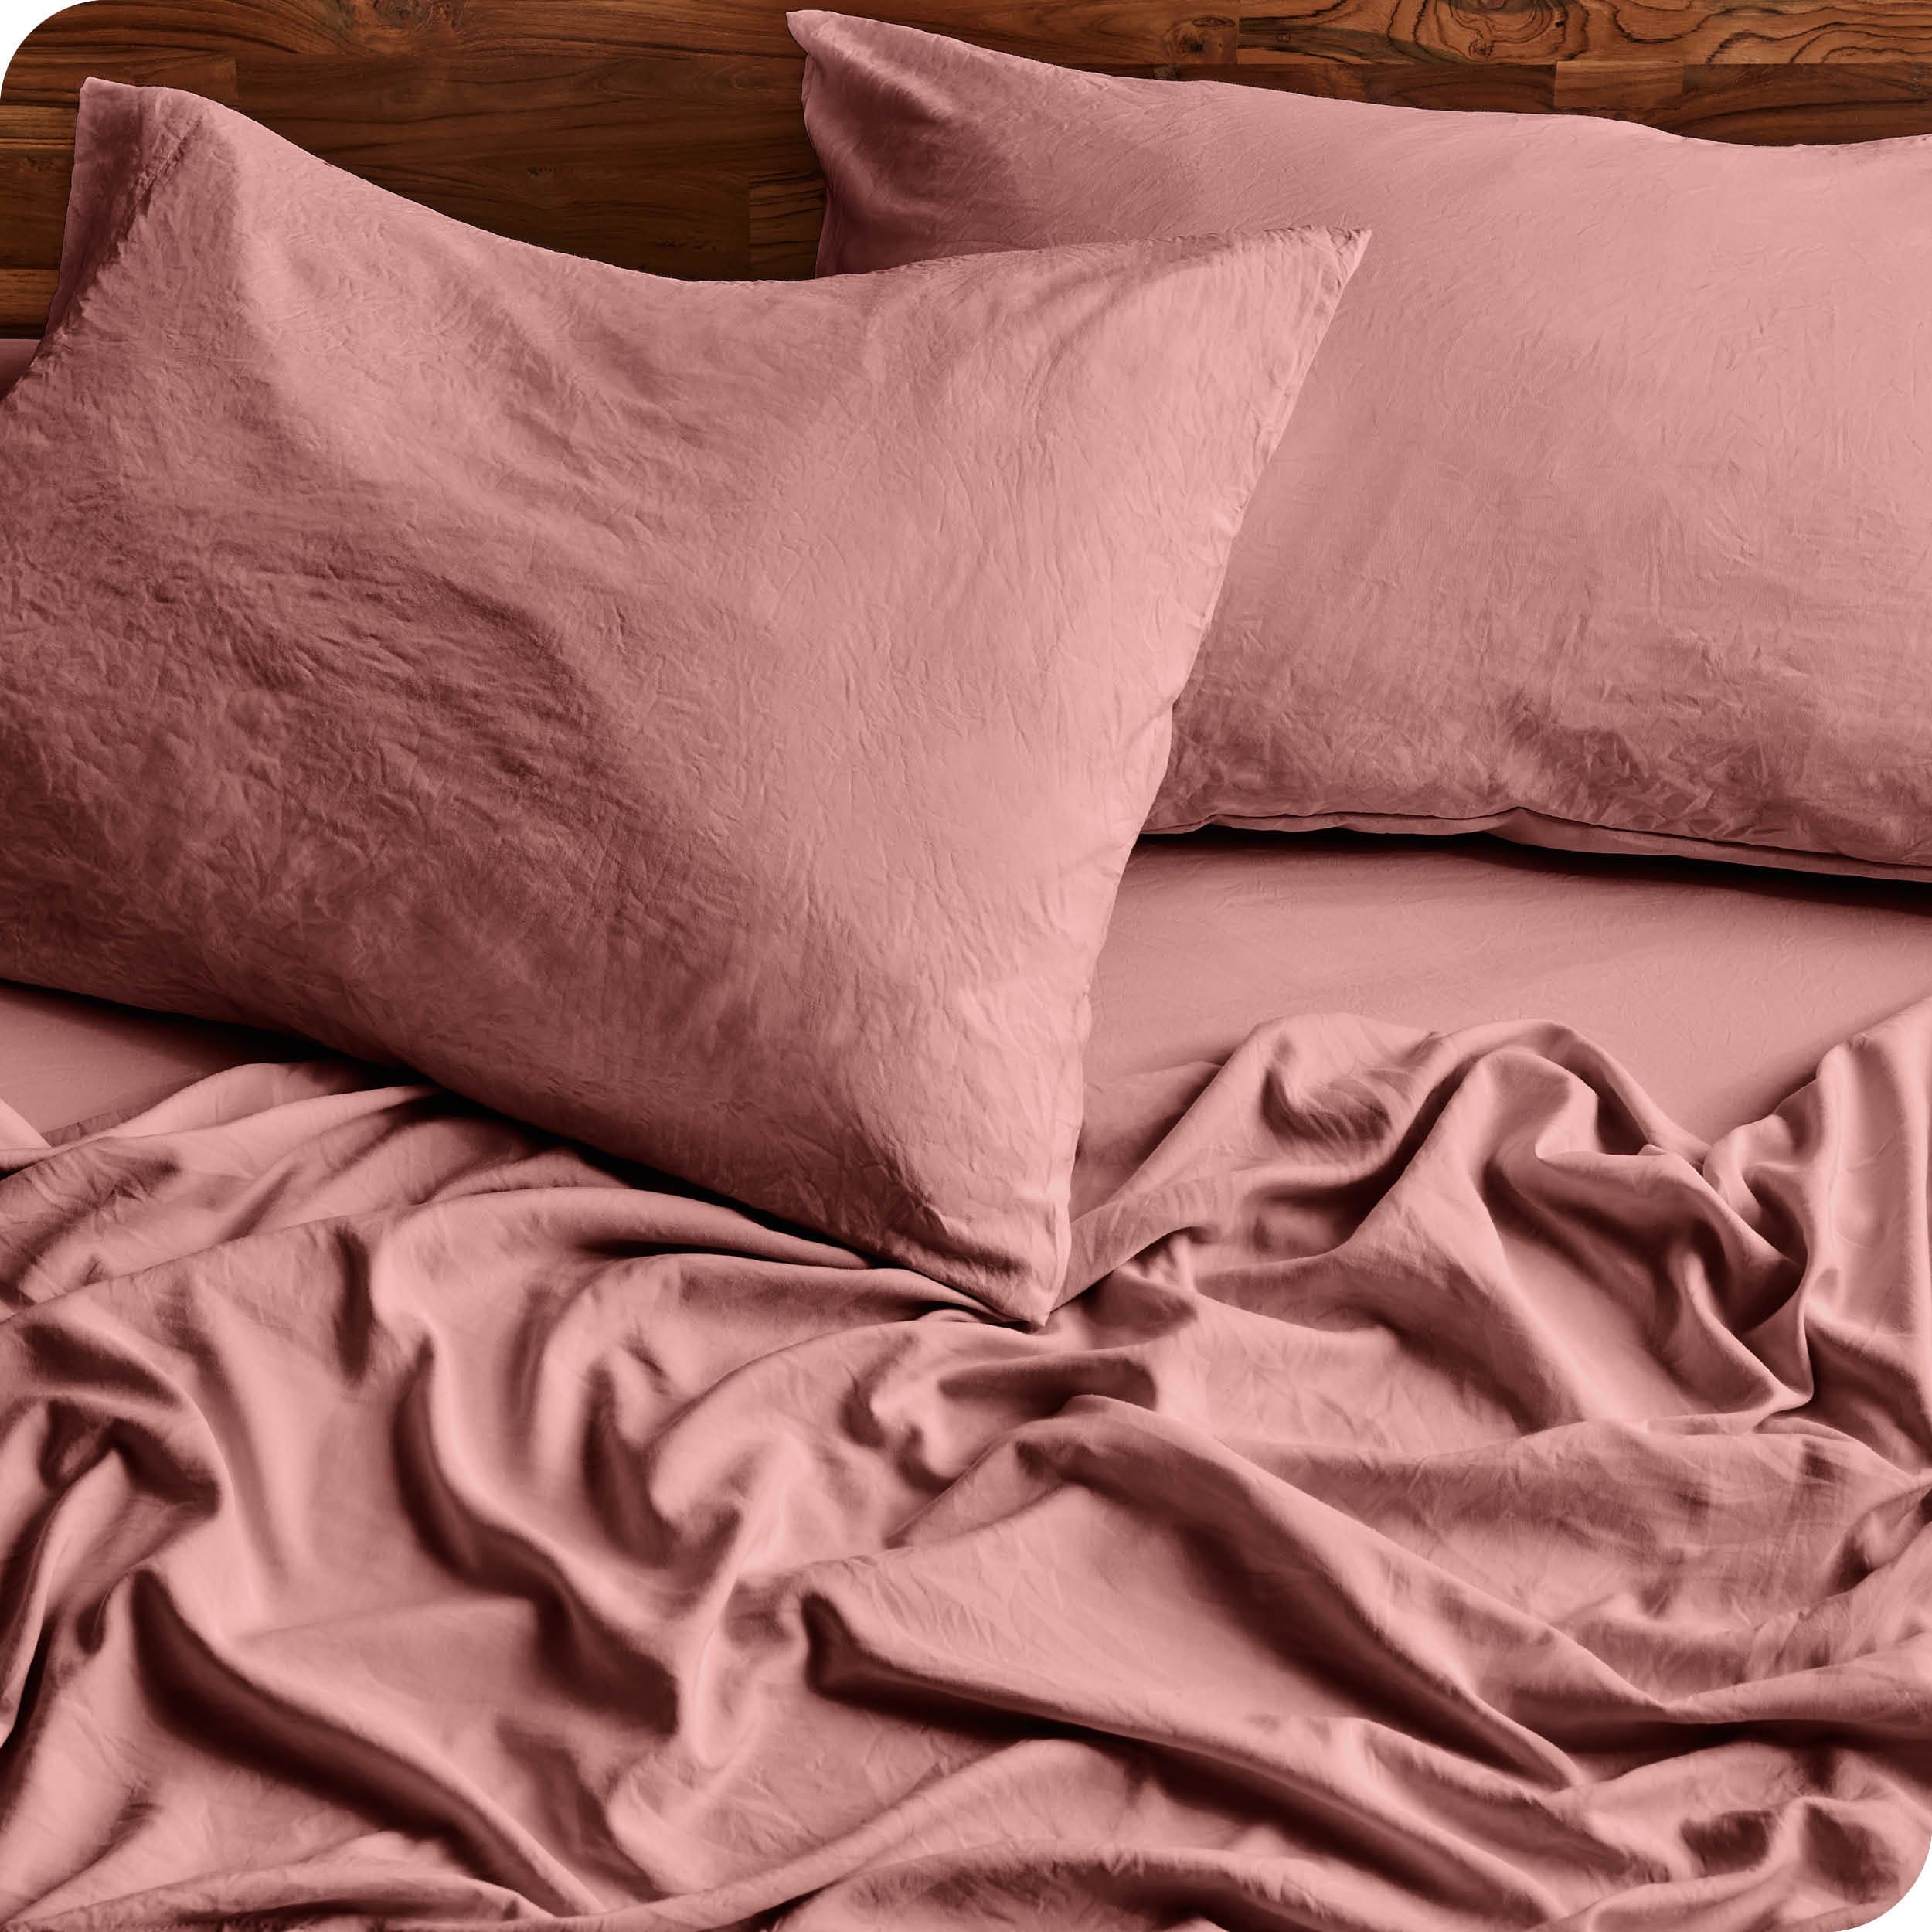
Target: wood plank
x,y
239,27
644,161
666,134
1777,104
1378,33
170,39
35,129
786,213
1768,102
32,81
1867,33
552,106
1624,89
1080,32
1504,88
36,161
25,294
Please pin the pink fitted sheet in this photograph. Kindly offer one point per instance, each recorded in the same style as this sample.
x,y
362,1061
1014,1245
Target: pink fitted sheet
x,y
1718,988
14,357
66,1061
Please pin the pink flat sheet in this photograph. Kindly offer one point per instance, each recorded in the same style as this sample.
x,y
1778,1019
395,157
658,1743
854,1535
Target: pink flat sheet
x,y
1462,1499
1718,987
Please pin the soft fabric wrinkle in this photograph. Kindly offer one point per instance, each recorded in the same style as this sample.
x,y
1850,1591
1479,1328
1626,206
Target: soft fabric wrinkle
x,y
1456,1497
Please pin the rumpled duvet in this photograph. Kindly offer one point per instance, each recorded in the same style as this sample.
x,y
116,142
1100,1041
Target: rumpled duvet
x,y
1456,1497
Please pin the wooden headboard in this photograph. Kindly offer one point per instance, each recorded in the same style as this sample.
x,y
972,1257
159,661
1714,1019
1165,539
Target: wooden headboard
x,y
665,134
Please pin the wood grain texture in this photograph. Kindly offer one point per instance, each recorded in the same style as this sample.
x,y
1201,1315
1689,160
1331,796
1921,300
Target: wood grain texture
x,y
1542,32
428,30
644,160
665,134
25,294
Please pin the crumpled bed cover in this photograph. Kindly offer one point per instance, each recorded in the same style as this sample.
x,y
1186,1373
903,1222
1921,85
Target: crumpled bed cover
x,y
1462,1499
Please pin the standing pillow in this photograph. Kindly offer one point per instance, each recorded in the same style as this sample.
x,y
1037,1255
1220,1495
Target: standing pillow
x,y
710,721
1602,520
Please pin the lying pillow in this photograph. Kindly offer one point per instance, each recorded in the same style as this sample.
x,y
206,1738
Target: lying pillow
x,y
710,721
1602,520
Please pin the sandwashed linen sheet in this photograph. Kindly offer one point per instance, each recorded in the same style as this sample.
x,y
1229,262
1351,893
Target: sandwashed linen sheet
x,y
15,355
1718,986
1463,1498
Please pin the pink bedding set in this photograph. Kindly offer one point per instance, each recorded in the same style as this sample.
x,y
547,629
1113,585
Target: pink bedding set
x,y
757,687
1464,1499
1601,521
1450,1492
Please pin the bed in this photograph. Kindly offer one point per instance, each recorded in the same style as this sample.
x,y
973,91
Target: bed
x,y
1472,1470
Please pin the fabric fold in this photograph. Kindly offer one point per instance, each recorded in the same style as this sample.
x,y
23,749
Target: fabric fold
x,y
1461,1497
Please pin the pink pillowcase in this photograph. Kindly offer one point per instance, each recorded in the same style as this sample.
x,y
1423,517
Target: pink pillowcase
x,y
1602,519
709,720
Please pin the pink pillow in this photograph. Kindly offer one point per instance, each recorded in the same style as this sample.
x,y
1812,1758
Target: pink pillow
x,y
1604,518
708,720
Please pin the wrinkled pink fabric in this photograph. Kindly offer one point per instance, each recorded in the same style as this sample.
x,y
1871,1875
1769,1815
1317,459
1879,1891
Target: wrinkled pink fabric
x,y
1464,1500
707,720
1602,520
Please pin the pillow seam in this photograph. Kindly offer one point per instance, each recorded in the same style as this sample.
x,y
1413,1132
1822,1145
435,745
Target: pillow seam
x,y
139,202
